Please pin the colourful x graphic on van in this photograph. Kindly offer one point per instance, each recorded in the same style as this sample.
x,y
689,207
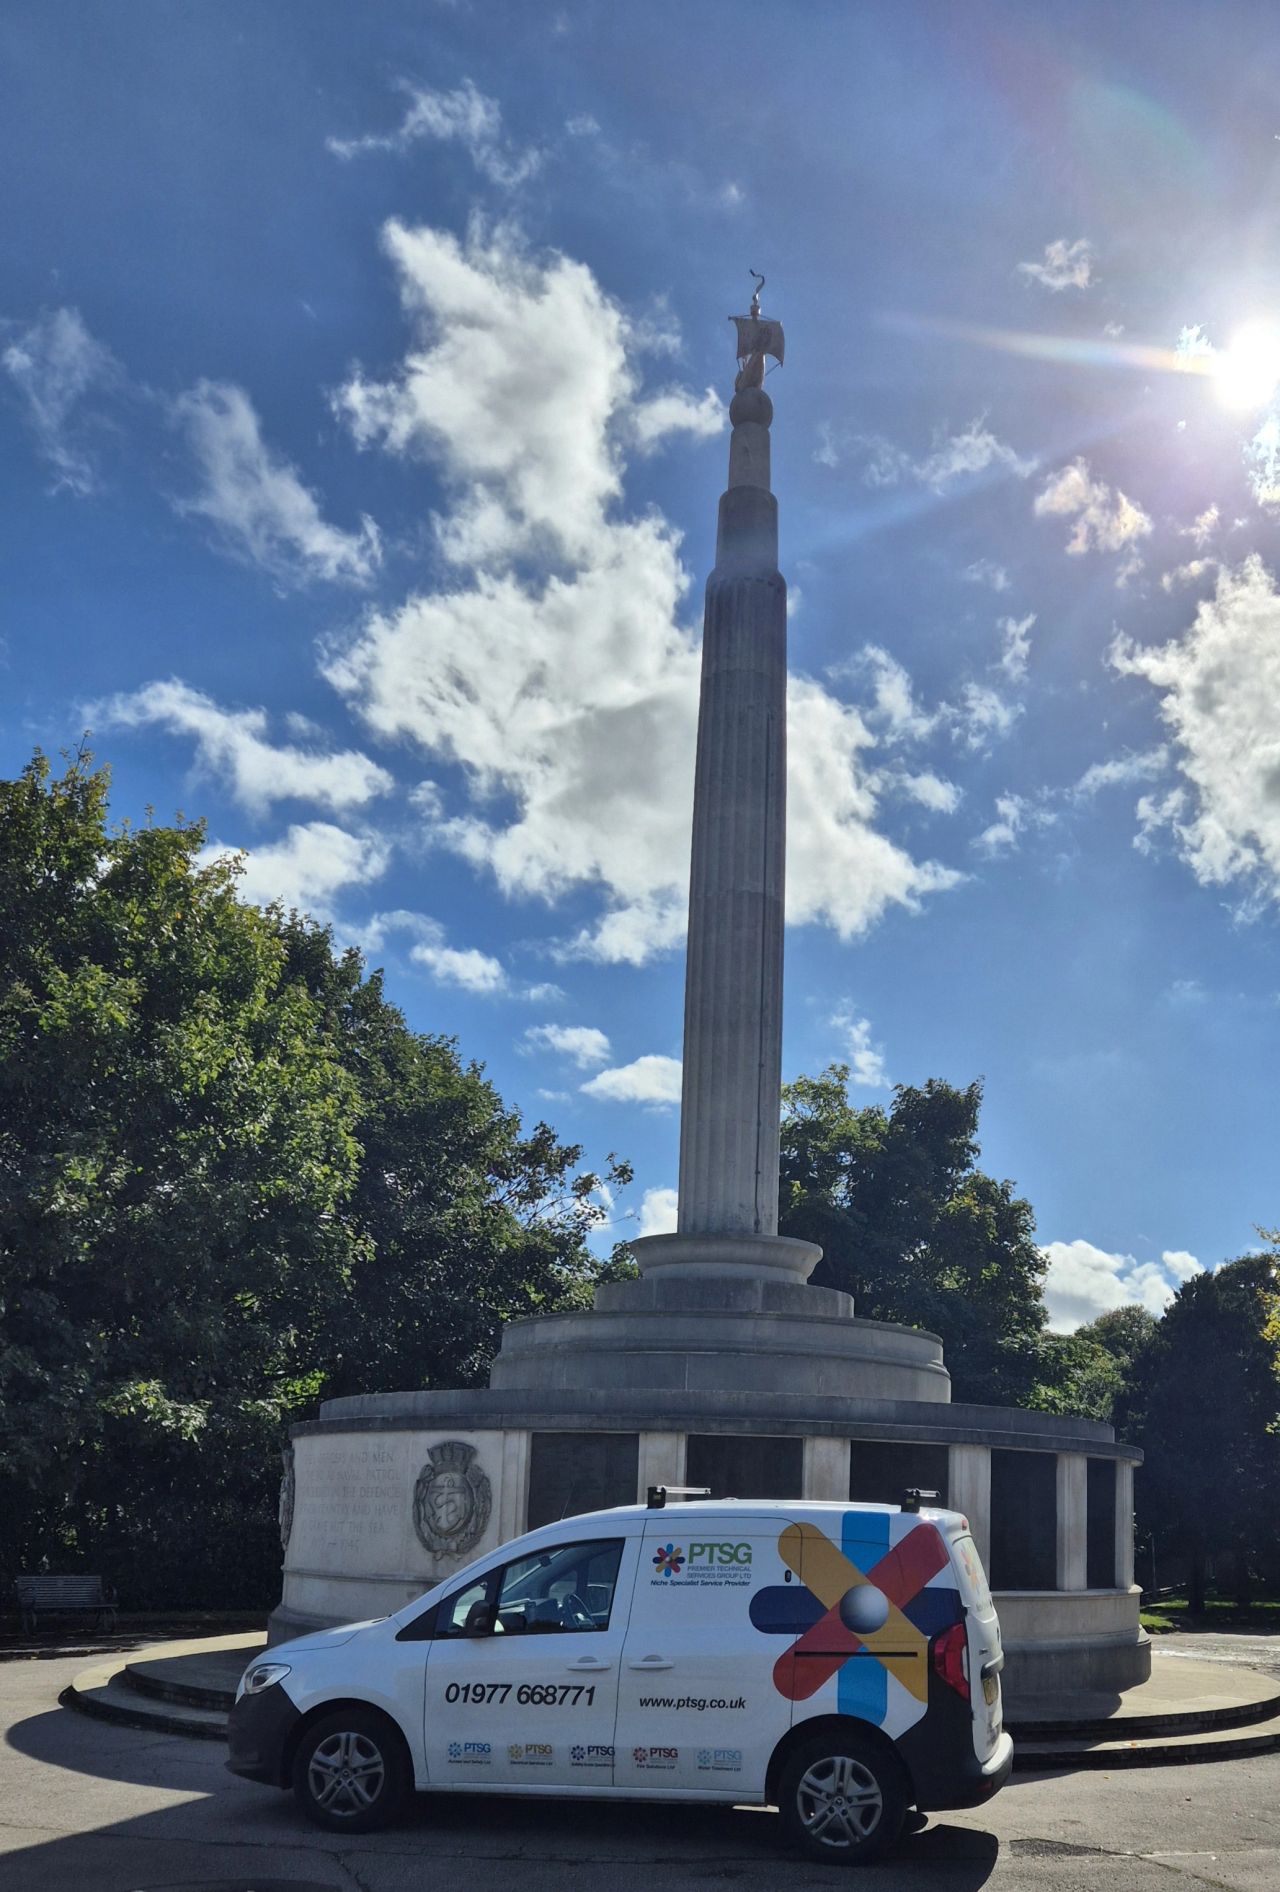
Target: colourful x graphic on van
x,y
842,1609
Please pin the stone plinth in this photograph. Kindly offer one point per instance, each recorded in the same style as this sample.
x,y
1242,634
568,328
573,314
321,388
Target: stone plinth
x,y
697,1334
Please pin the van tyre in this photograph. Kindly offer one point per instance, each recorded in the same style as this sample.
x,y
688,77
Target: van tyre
x,y
842,1799
350,1773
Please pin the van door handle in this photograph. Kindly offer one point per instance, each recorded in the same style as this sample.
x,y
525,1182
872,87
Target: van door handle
x,y
650,1662
592,1664
993,1667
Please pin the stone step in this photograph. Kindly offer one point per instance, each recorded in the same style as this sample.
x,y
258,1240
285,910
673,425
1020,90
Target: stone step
x,y
1183,1695
1176,1721
190,1680
104,1693
1213,1744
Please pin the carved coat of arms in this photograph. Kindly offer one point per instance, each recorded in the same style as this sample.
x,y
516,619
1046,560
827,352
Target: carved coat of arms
x,y
452,1499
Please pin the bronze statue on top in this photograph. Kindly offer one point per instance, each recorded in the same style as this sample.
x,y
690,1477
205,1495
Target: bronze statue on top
x,y
757,337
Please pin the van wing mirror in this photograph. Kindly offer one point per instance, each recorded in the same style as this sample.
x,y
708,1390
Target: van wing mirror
x,y
479,1620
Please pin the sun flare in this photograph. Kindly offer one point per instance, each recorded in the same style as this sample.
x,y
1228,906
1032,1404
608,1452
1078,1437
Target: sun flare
x,y
1248,370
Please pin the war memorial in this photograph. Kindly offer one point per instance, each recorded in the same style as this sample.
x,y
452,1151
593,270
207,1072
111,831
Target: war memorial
x,y
720,1366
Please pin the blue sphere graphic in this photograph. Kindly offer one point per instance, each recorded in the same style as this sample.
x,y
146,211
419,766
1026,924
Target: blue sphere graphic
x,y
864,1609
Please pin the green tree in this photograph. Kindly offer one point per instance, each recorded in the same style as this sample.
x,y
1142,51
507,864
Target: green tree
x,y
1205,1407
914,1230
231,1182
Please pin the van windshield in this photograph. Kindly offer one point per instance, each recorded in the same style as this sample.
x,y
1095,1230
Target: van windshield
x,y
973,1578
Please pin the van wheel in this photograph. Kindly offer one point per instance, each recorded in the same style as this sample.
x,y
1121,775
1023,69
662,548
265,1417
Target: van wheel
x,y
842,1800
350,1772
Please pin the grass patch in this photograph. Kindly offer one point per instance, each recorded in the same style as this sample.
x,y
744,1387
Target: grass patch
x,y
1167,1613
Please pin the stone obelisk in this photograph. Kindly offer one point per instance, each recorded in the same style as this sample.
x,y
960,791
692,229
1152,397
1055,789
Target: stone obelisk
x,y
728,1213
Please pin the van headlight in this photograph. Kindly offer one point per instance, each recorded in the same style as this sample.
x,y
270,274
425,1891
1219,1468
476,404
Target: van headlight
x,y
262,1675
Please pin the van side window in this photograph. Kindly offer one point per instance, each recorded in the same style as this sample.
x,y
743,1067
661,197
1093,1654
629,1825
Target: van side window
x,y
468,1612
567,1588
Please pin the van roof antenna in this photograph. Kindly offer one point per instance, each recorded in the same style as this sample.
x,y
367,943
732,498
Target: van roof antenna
x,y
658,1494
916,1496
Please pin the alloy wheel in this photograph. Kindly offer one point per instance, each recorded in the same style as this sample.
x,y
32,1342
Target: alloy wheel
x,y
839,1801
346,1773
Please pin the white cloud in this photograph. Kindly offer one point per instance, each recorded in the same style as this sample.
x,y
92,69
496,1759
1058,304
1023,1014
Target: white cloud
x,y
565,689
584,1045
1192,345
1016,645
648,1080
1083,1281
826,452
676,411
464,966
1003,834
1219,690
953,456
463,116
865,1060
544,993
53,364
1262,458
985,571
839,868
257,502
893,711
659,1211
582,125
1188,574
1065,265
233,745
984,716
1121,771
306,869
1106,520
931,791
1202,528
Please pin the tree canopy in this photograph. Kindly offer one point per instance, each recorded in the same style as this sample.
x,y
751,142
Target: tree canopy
x,y
913,1229
232,1182
1204,1403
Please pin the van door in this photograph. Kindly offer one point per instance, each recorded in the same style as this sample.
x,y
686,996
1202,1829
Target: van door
x,y
871,1578
986,1655
697,1706
522,1670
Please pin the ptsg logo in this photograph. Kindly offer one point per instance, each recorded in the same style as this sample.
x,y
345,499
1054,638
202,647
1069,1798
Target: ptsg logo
x,y
470,1750
712,1554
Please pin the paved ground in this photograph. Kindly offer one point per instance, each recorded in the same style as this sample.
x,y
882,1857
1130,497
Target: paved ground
x,y
1255,1648
86,1807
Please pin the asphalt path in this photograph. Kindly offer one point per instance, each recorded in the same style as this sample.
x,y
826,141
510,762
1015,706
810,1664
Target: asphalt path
x,y
89,1807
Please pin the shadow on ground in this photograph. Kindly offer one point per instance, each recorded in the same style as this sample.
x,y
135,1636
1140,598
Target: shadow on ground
x,y
221,1834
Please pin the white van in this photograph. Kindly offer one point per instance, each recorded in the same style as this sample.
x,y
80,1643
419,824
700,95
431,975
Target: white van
x,y
841,1661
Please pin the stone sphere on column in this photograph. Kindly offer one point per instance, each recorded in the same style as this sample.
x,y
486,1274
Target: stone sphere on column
x,y
751,404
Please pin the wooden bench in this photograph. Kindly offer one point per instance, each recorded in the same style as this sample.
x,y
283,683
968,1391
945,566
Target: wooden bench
x,y
57,1596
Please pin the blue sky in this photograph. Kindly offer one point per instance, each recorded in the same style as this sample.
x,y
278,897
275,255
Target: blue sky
x,y
362,374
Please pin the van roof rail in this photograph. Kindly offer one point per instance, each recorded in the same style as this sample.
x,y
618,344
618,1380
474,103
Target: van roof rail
x,y
916,1496
658,1494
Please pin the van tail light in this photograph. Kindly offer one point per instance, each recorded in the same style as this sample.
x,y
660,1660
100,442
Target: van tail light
x,y
949,1651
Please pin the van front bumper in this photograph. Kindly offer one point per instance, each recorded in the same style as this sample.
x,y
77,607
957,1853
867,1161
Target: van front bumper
x,y
259,1730
968,1786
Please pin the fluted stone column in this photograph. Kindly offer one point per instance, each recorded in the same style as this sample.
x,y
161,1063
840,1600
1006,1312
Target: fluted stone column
x,y
732,1086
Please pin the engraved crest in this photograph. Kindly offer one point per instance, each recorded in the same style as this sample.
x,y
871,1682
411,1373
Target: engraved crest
x,y
452,1499
288,1491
